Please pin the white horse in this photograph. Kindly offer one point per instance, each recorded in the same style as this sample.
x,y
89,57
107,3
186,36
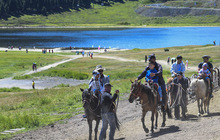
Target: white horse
x,y
198,87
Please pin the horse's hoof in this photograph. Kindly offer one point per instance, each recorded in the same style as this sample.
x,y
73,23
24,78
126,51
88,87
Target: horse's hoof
x,y
155,127
202,112
163,125
152,131
146,130
199,115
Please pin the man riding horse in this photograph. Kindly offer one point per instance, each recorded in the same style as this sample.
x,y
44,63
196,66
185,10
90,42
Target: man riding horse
x,y
159,73
178,66
209,67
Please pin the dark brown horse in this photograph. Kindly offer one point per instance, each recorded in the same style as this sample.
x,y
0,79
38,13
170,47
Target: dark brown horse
x,y
92,110
149,102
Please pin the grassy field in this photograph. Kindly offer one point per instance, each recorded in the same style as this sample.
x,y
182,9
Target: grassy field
x,y
13,62
116,15
192,53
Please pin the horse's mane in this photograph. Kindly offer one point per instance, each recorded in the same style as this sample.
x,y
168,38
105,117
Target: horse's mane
x,y
146,89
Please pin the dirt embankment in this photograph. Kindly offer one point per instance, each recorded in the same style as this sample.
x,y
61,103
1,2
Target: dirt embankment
x,y
161,11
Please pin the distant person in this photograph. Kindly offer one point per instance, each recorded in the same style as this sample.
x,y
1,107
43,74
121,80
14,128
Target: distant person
x,y
168,60
173,60
49,50
11,47
26,50
83,53
70,48
214,42
105,50
146,58
33,84
91,55
34,47
52,50
19,48
187,64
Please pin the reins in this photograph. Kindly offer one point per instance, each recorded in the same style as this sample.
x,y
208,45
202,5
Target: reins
x,y
179,95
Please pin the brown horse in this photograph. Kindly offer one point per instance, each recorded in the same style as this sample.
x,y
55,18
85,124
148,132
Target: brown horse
x,y
92,110
149,102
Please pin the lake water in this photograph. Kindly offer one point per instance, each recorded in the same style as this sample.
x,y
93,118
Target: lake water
x,y
143,38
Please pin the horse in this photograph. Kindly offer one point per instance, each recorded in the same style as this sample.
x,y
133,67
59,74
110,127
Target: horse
x,y
149,102
92,109
198,87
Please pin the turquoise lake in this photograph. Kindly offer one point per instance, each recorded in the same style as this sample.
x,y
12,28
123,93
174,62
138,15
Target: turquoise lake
x,y
143,38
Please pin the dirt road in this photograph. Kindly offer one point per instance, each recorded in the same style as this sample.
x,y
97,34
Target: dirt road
x,y
194,128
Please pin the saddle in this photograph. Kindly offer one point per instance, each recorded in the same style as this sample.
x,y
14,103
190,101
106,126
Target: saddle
x,y
155,86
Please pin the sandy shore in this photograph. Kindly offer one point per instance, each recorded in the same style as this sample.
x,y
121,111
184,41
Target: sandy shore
x,y
60,50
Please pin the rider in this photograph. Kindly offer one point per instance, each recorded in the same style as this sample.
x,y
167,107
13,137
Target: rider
x,y
159,73
103,78
180,79
95,85
149,78
205,73
178,66
210,68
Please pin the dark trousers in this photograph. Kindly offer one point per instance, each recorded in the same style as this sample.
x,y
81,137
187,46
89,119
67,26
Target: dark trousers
x,y
182,104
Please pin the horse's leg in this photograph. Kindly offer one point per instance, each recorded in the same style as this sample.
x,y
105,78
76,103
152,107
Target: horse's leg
x,y
90,128
164,119
202,100
208,102
198,107
96,127
142,120
156,120
152,121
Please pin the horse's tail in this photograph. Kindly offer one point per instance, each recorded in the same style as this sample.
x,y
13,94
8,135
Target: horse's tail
x,y
117,122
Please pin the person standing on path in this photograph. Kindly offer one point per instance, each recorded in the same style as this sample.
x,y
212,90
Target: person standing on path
x,y
187,63
108,112
33,84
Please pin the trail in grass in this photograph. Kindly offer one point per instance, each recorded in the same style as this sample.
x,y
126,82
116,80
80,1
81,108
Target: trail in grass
x,y
49,82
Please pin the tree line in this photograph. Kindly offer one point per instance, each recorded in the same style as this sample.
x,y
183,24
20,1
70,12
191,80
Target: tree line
x,y
45,7
19,7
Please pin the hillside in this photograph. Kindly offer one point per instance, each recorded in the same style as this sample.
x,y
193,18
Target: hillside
x,y
117,14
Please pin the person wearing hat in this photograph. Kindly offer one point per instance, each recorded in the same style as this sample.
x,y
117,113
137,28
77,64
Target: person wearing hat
x,y
103,78
209,67
95,85
178,66
180,79
204,73
108,112
159,73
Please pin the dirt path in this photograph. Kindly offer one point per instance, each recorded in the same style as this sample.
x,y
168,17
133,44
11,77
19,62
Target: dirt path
x,y
196,128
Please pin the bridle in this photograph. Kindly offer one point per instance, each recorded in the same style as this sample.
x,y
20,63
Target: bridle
x,y
86,100
138,91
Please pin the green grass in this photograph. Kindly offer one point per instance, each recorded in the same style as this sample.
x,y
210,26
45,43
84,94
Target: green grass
x,y
82,69
116,15
18,62
13,89
192,53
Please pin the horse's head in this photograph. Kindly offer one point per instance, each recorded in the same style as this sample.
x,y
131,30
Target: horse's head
x,y
135,91
86,95
193,87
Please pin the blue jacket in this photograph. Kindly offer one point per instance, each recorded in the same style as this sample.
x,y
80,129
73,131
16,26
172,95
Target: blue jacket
x,y
174,68
148,77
